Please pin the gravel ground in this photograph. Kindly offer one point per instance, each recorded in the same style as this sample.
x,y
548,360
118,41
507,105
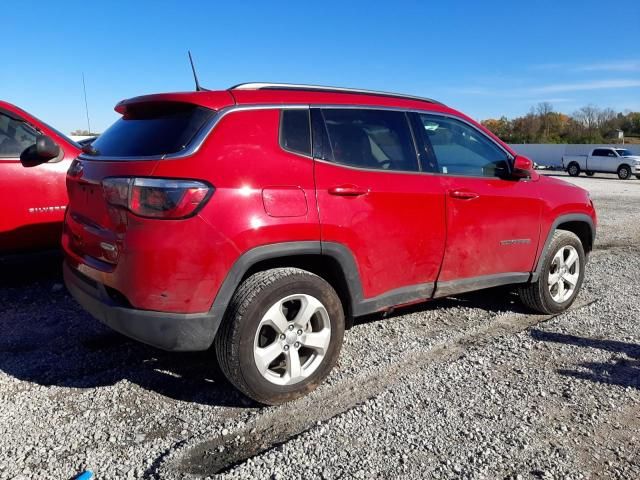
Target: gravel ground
x,y
467,387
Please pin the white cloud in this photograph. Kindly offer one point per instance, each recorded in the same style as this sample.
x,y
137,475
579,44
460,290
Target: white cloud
x,y
629,65
552,100
617,66
554,88
582,86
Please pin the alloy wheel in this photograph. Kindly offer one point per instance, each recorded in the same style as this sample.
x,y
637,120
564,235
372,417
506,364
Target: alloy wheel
x,y
292,339
564,273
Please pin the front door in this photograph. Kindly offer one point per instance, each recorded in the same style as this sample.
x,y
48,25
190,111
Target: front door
x,y
374,199
33,199
492,222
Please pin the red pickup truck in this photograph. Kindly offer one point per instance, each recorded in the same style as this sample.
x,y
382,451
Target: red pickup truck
x,y
34,159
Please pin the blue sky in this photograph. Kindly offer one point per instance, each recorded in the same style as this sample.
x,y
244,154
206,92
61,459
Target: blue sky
x,y
486,58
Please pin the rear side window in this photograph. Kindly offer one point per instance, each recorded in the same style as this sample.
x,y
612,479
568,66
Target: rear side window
x,y
295,131
152,129
375,139
601,153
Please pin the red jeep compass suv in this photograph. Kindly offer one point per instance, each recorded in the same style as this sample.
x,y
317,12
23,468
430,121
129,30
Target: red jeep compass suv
x,y
265,217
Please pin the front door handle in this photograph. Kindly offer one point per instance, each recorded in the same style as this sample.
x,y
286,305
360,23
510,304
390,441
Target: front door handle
x,y
463,194
348,190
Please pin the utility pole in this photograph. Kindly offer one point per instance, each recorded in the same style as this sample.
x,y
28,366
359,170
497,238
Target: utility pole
x,y
86,105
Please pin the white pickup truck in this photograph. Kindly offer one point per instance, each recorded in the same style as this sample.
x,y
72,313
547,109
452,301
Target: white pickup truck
x,y
604,160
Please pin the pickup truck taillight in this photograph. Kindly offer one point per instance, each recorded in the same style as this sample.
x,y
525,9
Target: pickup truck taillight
x,y
157,197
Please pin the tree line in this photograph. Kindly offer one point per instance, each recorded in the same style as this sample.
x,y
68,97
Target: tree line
x,y
589,124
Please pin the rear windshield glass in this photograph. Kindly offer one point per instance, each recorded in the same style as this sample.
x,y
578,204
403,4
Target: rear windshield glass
x,y
156,129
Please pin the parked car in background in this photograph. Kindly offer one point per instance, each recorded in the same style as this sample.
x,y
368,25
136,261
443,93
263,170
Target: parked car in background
x,y
33,192
264,218
604,160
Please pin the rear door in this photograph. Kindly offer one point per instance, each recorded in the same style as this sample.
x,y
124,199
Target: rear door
x,y
374,199
492,222
35,198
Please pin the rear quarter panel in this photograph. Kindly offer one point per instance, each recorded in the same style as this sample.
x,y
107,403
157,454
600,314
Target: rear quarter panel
x,y
244,162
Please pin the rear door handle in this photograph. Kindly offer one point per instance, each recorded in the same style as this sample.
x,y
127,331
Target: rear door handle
x,y
348,190
463,194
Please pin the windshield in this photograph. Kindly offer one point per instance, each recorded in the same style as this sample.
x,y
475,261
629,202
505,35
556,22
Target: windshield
x,y
623,152
151,130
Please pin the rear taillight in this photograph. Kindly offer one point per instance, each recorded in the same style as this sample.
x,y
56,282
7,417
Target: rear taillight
x,y
157,197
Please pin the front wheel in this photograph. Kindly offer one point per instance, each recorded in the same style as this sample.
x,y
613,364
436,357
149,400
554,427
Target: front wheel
x,y
624,172
590,174
638,177
281,335
574,170
560,277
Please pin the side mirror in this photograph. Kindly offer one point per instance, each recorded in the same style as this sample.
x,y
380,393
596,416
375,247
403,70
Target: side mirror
x,y
522,168
40,152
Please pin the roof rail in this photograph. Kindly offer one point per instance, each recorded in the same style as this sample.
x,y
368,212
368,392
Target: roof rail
x,y
324,88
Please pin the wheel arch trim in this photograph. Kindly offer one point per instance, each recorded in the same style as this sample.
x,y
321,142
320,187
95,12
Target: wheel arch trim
x,y
570,217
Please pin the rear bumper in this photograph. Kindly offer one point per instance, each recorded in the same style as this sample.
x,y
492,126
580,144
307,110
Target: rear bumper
x,y
168,331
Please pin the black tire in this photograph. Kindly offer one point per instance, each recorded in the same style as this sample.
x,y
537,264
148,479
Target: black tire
x,y
589,174
234,342
536,295
624,172
638,177
573,169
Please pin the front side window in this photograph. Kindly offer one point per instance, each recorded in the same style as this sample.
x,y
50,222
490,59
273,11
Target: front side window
x,y
372,139
152,129
15,136
295,131
459,149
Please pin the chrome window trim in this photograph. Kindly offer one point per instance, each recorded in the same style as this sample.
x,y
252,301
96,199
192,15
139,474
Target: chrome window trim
x,y
196,143
373,170
424,112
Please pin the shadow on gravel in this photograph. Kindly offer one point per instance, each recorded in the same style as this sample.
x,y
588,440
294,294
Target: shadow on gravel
x,y
47,339
622,370
28,269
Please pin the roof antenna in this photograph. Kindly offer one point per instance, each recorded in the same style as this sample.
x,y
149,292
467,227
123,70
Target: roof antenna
x,y
195,75
86,105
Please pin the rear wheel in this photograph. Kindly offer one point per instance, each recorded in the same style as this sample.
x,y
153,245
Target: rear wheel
x,y
589,174
574,169
624,172
560,277
281,335
638,177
